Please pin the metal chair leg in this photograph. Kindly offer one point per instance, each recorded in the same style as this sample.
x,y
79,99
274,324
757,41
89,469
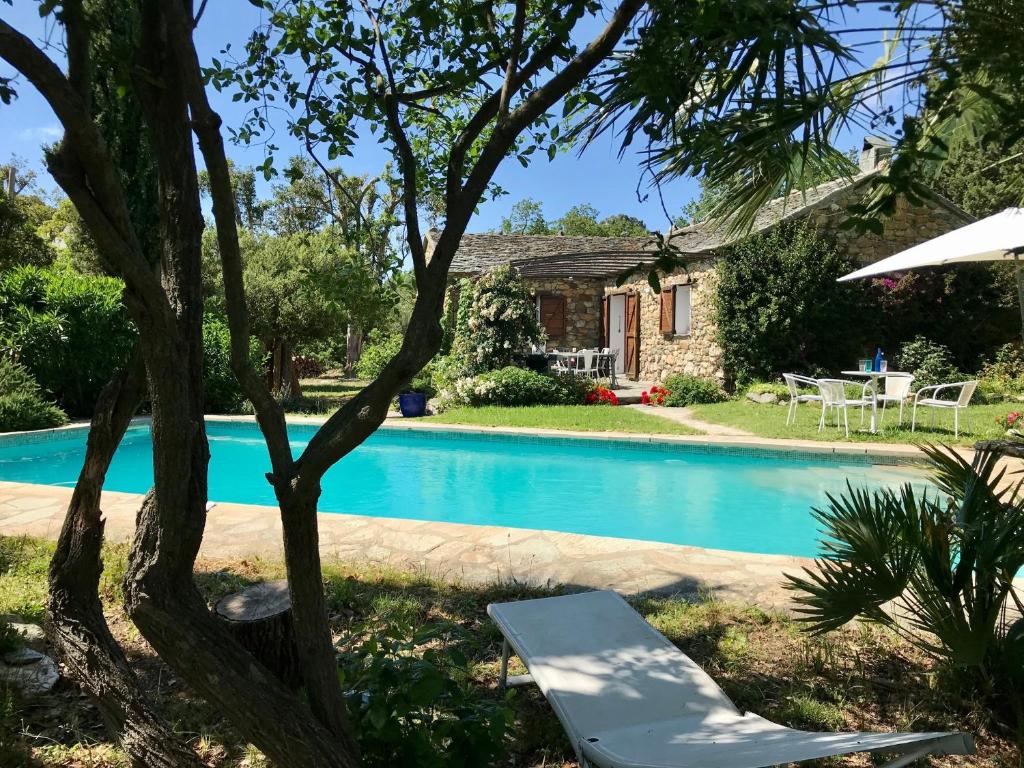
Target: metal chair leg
x,y
503,675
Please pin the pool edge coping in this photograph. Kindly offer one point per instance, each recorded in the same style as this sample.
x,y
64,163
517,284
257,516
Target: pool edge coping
x,y
890,451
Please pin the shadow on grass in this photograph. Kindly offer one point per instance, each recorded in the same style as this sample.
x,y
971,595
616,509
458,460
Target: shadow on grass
x,y
852,679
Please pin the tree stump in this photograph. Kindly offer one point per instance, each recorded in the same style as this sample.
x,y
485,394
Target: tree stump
x,y
260,618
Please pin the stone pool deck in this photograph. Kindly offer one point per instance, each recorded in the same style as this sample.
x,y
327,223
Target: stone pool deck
x,y
474,554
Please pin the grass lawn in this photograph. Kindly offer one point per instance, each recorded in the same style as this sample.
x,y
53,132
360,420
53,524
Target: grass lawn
x,y
326,394
976,423
856,678
581,418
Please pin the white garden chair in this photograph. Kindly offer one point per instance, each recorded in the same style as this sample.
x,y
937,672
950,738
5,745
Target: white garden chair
x,y
932,400
833,396
588,360
794,381
897,390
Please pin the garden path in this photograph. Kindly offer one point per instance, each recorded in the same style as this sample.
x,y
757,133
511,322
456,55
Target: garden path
x,y
686,417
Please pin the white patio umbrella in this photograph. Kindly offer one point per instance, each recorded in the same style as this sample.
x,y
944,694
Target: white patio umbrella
x,y
997,238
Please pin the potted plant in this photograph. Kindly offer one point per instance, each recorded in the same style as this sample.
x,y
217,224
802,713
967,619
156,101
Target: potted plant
x,y
412,401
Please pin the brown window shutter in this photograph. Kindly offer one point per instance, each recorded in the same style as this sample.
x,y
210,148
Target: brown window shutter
x,y
668,310
552,315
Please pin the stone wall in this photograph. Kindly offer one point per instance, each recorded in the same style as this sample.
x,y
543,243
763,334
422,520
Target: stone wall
x,y
582,310
908,226
696,353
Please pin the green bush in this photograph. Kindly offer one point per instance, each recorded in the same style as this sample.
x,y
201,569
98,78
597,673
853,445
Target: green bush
x,y
222,392
412,703
380,347
1002,377
930,362
778,306
70,330
769,387
516,387
23,405
692,390
501,325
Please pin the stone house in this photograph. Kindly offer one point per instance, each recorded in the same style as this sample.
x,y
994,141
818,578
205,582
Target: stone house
x,y
574,279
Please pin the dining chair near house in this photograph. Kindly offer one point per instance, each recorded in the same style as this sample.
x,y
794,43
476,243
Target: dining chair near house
x,y
833,398
587,363
896,391
928,397
795,381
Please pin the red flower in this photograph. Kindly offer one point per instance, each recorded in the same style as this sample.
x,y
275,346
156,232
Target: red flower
x,y
591,397
645,398
661,399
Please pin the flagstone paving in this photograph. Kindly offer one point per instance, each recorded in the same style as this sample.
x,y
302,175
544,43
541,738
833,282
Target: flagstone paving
x,y
467,553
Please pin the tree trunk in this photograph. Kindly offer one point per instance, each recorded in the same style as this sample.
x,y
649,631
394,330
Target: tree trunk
x,y
160,593
260,618
77,627
353,348
309,613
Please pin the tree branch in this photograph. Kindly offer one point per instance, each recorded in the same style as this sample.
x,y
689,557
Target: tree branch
x,y
518,26
542,99
489,109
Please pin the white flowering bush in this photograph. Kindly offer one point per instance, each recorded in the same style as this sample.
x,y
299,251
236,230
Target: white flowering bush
x,y
501,325
512,386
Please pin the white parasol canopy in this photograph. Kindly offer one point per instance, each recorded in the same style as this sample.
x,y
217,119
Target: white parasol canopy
x,y
997,238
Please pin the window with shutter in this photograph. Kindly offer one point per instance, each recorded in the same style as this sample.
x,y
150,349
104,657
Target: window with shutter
x,y
682,310
552,315
667,322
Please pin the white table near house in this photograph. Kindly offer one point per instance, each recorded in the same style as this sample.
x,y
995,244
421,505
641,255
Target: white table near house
x,y
874,376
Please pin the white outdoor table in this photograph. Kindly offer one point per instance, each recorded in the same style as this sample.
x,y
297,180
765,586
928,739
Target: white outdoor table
x,y
874,376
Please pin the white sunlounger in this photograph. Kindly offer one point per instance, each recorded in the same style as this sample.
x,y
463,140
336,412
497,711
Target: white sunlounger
x,y
628,698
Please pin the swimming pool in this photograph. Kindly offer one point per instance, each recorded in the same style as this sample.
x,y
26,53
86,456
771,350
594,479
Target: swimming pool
x,y
744,500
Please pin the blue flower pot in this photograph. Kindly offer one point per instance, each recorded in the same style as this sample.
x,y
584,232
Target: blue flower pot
x,y
412,403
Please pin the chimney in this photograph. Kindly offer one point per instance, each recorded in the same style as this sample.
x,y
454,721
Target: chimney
x,y
875,152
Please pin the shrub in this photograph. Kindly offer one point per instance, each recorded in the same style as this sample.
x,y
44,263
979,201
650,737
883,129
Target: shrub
x,y
223,394
685,389
379,349
501,324
23,405
602,396
930,362
411,701
515,387
778,305
70,330
769,388
1002,377
945,559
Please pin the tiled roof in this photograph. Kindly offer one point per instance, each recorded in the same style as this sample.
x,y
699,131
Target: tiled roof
x,y
569,256
706,236
594,257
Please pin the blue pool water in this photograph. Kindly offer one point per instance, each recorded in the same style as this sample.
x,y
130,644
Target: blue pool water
x,y
677,493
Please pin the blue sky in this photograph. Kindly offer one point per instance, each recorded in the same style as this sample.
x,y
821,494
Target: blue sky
x,y
599,177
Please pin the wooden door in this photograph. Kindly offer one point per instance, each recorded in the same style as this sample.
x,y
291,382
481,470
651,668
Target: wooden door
x,y
632,335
